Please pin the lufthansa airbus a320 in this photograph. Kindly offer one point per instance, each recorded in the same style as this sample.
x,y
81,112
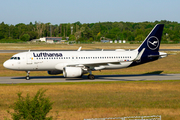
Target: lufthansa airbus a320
x,y
77,63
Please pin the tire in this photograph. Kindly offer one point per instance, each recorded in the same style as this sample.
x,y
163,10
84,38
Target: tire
x,y
27,78
91,77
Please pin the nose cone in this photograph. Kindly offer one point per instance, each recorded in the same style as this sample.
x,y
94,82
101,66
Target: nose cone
x,y
6,64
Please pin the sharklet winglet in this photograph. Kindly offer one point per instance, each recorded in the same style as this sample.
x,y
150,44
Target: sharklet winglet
x,y
139,55
79,49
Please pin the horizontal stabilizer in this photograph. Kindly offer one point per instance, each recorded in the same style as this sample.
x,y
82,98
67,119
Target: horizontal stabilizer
x,y
161,55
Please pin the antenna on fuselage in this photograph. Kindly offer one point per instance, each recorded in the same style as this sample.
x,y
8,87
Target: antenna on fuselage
x,y
29,51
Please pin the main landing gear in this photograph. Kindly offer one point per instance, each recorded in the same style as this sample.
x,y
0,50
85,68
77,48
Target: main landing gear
x,y
27,77
91,76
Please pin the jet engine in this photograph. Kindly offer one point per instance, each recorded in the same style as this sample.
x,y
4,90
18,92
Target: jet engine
x,y
72,72
54,72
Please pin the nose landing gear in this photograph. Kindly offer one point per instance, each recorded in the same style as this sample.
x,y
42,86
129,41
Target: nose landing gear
x,y
27,77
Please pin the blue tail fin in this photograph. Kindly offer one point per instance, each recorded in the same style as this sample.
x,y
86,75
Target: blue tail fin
x,y
153,40
149,50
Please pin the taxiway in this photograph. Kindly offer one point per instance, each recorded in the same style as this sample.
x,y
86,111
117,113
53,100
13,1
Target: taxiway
x,y
53,79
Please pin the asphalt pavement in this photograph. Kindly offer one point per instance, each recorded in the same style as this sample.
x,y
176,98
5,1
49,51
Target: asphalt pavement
x,y
54,79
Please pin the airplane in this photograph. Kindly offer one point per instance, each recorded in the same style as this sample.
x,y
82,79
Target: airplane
x,y
77,63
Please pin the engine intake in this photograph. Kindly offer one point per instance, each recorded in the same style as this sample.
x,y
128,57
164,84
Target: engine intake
x,y
72,72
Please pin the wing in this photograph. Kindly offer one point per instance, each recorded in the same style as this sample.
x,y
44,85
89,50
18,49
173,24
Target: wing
x,y
115,62
98,64
95,64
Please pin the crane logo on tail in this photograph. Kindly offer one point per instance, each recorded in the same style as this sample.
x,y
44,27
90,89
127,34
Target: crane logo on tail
x,y
153,43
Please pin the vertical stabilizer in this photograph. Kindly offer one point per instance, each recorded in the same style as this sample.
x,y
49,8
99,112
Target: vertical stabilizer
x,y
153,40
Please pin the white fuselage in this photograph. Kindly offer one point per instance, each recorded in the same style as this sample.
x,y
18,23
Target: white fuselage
x,y
57,60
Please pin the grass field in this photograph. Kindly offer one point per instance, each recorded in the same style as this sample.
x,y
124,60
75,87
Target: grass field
x,y
45,46
76,101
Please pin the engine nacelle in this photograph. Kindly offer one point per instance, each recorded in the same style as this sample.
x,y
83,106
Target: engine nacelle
x,y
55,72
72,72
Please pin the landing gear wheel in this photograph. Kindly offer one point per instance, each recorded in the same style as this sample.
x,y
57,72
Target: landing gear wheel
x,y
91,77
27,78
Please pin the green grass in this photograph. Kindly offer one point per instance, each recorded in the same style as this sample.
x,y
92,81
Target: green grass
x,y
102,99
90,82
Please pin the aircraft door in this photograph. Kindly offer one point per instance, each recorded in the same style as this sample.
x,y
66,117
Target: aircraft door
x,y
29,58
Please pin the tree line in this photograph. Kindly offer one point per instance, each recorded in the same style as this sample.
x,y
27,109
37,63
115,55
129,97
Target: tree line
x,y
77,31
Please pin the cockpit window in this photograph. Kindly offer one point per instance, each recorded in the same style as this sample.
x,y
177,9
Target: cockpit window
x,y
15,58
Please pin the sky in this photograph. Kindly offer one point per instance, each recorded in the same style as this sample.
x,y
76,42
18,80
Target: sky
x,y
88,11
